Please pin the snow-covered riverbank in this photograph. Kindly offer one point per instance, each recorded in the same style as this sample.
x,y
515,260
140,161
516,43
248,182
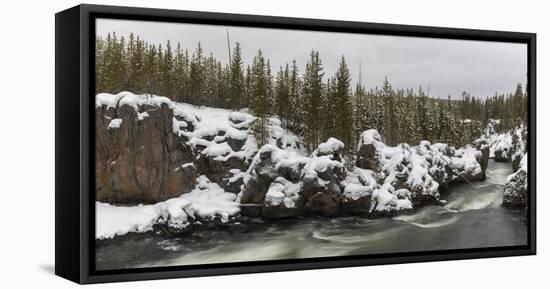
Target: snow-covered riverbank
x,y
212,170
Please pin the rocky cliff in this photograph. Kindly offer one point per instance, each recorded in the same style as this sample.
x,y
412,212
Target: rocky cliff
x,y
138,157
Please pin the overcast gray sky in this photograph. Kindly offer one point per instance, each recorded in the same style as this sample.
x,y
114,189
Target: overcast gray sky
x,y
446,66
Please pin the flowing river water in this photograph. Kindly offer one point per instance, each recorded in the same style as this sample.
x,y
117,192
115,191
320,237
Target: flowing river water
x,y
472,218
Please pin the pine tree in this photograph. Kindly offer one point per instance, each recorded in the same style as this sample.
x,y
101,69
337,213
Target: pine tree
x,y
259,102
313,90
390,130
282,95
329,110
270,99
295,108
343,106
236,83
180,74
167,68
518,105
197,76
151,68
100,59
362,111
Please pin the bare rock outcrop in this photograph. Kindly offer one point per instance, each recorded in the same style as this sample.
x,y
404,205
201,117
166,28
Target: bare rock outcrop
x,y
138,157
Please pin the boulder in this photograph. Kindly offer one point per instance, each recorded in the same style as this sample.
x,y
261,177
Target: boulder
x,y
281,200
502,155
367,157
321,199
515,190
261,174
519,146
282,184
516,187
322,177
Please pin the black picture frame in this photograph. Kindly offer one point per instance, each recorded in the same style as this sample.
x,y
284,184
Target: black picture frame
x,y
74,122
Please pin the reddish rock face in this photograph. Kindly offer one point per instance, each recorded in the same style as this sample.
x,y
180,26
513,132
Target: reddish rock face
x,y
140,161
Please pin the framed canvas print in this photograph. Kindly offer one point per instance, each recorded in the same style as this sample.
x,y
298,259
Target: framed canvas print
x,y
193,144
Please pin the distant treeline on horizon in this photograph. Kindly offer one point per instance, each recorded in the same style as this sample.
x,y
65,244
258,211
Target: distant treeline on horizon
x,y
308,103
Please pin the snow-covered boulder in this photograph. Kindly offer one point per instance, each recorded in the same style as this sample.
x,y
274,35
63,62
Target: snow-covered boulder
x,y
419,170
469,163
284,183
359,187
519,146
506,146
399,167
322,177
282,199
502,147
367,150
515,187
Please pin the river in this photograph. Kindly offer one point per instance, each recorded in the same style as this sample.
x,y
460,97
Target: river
x,y
471,218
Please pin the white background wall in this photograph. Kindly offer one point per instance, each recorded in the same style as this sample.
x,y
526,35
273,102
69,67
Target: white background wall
x,y
27,144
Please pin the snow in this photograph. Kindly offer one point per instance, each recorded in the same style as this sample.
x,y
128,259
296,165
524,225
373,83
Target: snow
x,y
501,142
217,149
237,117
405,161
516,185
207,201
319,165
236,134
370,136
385,200
114,221
142,115
523,162
282,191
114,123
354,191
522,167
465,160
330,146
108,100
186,165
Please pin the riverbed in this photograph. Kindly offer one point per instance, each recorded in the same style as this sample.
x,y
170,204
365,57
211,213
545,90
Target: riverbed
x,y
472,218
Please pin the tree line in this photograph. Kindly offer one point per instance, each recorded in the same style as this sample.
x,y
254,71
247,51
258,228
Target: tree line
x,y
311,104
